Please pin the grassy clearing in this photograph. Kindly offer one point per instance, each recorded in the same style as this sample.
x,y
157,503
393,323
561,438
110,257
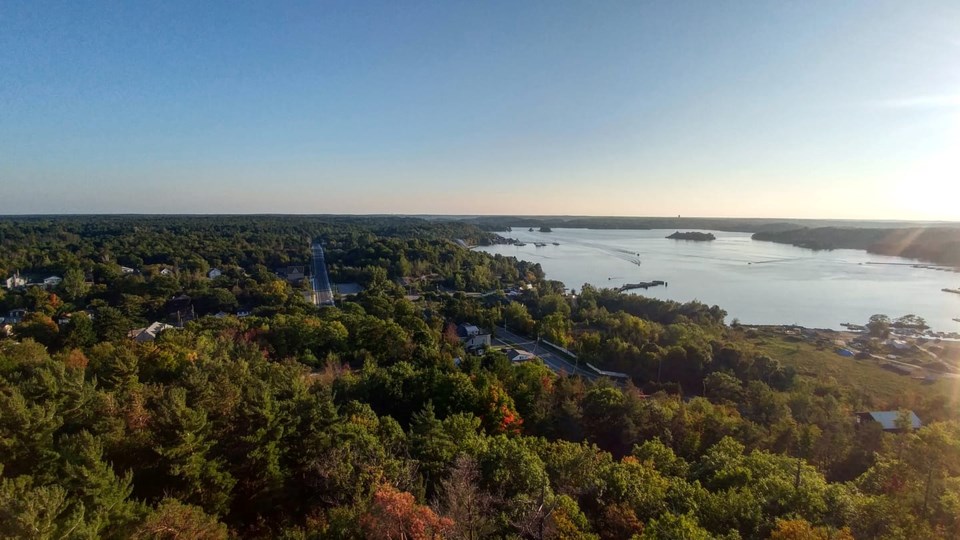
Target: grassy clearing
x,y
872,384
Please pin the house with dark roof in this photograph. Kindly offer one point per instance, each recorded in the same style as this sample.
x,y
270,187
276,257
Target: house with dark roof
x,y
179,310
15,316
293,274
347,289
888,420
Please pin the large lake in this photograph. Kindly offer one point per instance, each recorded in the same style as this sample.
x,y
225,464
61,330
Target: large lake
x,y
755,282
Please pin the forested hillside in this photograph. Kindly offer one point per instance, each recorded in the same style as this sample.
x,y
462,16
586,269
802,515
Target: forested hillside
x,y
940,245
263,416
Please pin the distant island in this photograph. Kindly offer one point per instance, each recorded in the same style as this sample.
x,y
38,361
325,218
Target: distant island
x,y
545,229
693,235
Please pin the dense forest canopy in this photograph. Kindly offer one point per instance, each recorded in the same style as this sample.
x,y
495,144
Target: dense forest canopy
x,y
257,414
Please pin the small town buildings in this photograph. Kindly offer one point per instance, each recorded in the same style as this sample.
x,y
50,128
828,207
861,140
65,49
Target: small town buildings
x,y
52,282
126,270
888,419
15,316
14,281
519,355
149,333
166,272
214,273
472,338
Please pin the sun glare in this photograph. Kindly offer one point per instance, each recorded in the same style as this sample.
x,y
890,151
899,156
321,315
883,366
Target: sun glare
x,y
931,188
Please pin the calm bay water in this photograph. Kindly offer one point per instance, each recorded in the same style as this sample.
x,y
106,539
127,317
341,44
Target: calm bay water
x,y
756,282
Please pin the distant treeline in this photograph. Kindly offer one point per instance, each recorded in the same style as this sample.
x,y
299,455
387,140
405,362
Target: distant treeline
x,y
752,225
940,245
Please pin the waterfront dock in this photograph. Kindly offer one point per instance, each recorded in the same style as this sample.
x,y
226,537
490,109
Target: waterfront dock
x,y
642,285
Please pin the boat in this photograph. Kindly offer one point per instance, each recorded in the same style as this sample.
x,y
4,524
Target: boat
x,y
539,244
957,319
556,243
954,291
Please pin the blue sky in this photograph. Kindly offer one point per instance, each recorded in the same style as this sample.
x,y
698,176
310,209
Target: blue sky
x,y
782,109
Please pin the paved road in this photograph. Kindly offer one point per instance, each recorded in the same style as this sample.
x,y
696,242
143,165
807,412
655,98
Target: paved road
x,y
322,292
553,360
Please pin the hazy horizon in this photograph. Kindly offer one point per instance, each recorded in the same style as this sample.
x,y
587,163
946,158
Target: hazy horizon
x,y
814,110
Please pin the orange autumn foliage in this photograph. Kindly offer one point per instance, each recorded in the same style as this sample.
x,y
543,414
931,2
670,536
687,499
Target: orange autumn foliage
x,y
76,359
800,529
395,515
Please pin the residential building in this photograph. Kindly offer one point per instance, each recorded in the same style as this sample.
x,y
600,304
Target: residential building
x,y
15,316
14,281
293,274
149,333
52,282
166,272
888,420
126,270
519,355
347,289
180,310
472,338
214,273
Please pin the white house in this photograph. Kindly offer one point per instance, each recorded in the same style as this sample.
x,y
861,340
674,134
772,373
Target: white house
x,y
149,333
519,355
14,281
166,272
126,270
52,281
214,273
472,338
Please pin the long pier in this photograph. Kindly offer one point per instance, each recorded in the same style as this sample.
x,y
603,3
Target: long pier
x,y
322,291
642,285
